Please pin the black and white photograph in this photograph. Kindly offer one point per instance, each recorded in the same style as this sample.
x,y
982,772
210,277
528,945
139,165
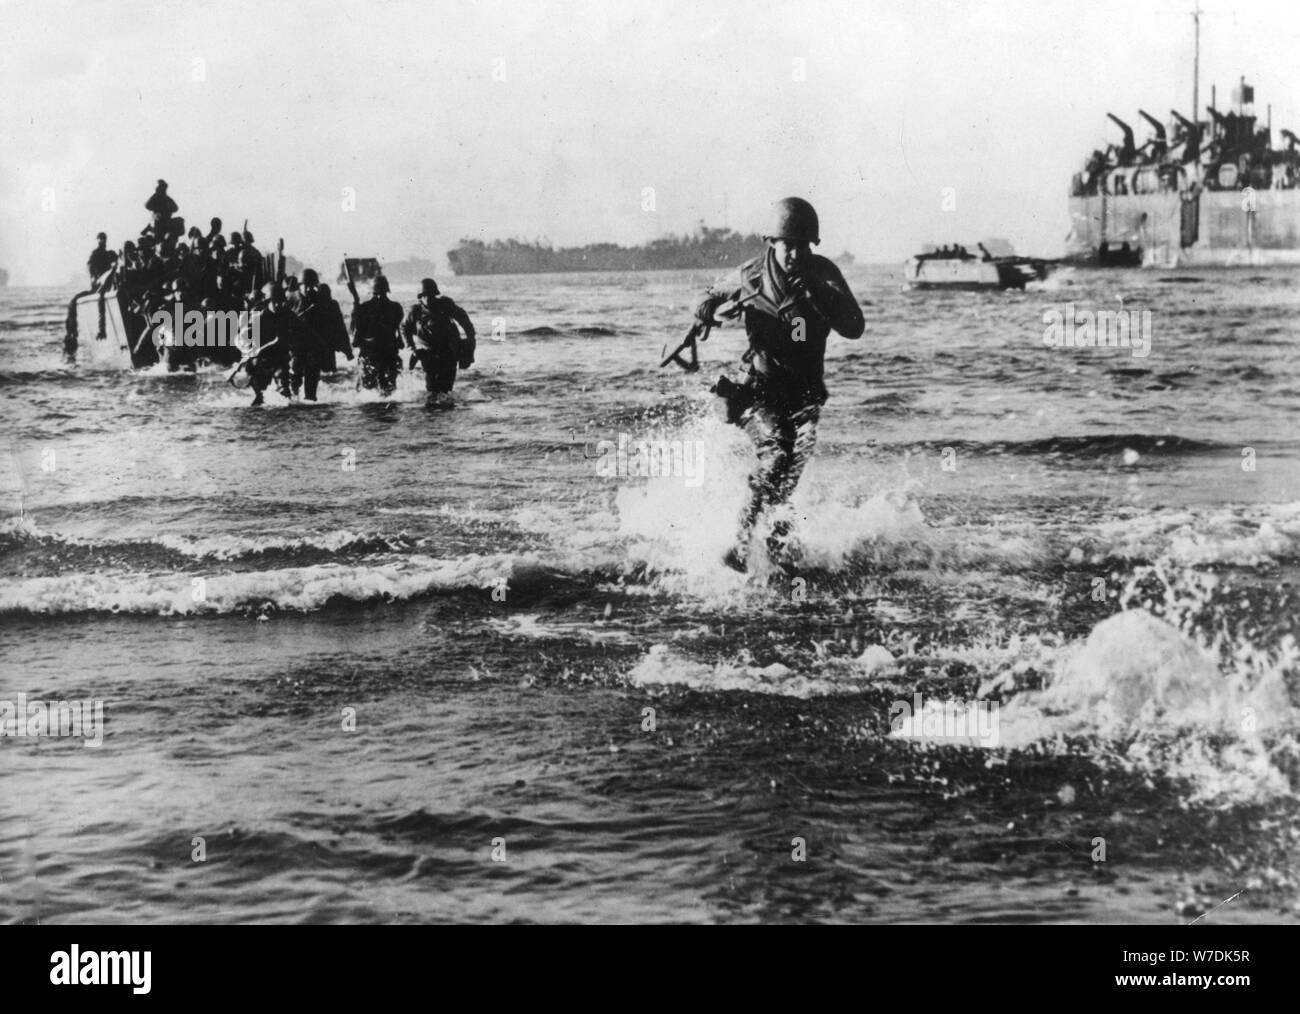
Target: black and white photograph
x,y
656,462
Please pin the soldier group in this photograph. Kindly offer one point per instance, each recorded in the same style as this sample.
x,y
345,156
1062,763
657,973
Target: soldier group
x,y
301,327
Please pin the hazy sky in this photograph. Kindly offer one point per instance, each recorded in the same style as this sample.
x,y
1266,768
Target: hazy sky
x,y
551,118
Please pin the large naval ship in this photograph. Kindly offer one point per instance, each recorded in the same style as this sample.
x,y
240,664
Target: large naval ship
x,y
707,248
1196,192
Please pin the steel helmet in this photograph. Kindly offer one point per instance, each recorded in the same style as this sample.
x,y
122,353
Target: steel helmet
x,y
428,287
793,218
379,285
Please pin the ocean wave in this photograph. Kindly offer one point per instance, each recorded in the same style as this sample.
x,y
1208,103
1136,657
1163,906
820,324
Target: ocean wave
x,y
21,535
1081,446
1246,536
300,589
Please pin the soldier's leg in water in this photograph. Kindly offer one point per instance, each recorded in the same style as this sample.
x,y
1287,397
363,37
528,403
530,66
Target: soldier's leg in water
x,y
439,373
388,371
773,435
804,422
369,378
259,378
310,378
428,364
283,376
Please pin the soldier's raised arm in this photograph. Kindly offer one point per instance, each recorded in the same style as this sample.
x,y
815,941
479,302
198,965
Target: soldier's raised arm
x,y
834,298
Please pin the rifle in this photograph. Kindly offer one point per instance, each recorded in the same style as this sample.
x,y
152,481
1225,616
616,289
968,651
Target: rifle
x,y
352,291
247,365
700,332
352,286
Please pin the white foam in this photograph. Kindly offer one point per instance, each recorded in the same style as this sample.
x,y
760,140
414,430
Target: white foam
x,y
296,588
663,666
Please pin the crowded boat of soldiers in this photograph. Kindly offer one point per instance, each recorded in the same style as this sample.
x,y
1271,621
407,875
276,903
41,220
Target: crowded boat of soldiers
x,y
190,297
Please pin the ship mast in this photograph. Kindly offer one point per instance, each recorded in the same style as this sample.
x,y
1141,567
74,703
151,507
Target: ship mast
x,y
1196,67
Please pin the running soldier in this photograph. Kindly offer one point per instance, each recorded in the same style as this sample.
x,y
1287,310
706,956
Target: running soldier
x,y
791,299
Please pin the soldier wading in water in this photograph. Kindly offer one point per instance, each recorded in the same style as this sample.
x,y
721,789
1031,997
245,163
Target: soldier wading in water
x,y
791,299
375,325
430,332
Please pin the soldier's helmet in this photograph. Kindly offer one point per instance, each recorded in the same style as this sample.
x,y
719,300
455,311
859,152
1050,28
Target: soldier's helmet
x,y
380,285
794,219
309,277
428,287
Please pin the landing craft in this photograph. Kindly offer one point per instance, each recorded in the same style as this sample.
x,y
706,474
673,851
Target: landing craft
x,y
958,268
359,269
111,335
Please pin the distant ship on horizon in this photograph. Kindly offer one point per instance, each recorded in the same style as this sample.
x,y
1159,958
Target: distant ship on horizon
x,y
706,248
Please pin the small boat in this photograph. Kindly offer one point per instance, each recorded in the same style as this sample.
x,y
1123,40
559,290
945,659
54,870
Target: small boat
x,y
955,267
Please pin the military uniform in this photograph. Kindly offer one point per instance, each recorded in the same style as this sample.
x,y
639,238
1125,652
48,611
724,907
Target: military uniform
x,y
277,325
307,348
374,335
325,316
788,320
161,208
431,331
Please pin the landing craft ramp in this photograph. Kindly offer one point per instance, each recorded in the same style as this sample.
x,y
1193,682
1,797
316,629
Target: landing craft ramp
x,y
103,339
